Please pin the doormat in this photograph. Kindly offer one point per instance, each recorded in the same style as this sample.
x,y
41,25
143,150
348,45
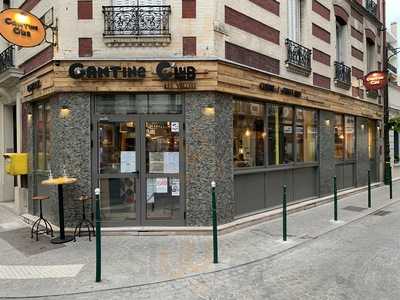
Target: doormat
x,y
354,208
382,213
20,239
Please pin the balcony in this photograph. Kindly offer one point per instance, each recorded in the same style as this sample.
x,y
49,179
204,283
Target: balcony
x,y
372,7
342,75
137,26
298,58
9,74
7,59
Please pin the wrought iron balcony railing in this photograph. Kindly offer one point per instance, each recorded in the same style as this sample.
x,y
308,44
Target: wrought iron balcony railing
x,y
298,58
342,75
136,20
372,7
7,59
392,68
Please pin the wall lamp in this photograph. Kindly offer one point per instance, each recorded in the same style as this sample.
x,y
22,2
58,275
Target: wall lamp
x,y
209,111
64,111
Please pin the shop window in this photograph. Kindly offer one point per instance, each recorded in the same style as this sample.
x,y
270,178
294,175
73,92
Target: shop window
x,y
249,134
125,104
345,139
350,137
306,135
42,136
281,139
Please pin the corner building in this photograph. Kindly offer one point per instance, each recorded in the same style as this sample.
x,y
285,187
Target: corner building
x,y
152,100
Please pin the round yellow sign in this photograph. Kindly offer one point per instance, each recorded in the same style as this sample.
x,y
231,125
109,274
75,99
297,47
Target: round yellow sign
x,y
21,28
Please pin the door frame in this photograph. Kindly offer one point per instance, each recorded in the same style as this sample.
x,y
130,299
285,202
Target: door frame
x,y
95,162
141,175
143,172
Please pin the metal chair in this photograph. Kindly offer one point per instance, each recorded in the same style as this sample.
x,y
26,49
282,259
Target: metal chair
x,y
84,221
36,225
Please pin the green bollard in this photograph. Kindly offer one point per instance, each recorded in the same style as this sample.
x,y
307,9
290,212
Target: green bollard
x,y
369,189
214,222
335,205
391,183
284,214
98,236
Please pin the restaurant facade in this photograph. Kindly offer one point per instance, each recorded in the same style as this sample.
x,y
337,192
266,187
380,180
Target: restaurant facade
x,y
153,135
258,96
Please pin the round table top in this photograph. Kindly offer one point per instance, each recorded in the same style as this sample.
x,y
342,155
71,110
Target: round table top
x,y
59,181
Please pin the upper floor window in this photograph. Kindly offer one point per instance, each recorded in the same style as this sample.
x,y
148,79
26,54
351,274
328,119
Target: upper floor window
x,y
294,20
137,2
340,40
6,4
371,56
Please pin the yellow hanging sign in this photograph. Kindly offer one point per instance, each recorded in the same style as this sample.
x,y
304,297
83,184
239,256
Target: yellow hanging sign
x,y
21,28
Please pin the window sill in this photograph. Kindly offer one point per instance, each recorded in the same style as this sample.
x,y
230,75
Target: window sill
x,y
275,168
137,40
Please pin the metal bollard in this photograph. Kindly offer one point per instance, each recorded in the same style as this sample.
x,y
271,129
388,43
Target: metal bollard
x,y
284,213
369,189
335,204
98,236
391,183
214,222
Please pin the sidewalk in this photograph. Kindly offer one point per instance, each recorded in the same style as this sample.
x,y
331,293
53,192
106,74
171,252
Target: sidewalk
x,y
49,269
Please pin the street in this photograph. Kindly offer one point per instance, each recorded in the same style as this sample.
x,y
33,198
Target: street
x,y
355,258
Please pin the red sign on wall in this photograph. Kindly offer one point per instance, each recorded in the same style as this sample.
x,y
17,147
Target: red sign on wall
x,y
375,80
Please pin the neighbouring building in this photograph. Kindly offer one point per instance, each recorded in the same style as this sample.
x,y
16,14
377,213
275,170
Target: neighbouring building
x,y
394,92
153,99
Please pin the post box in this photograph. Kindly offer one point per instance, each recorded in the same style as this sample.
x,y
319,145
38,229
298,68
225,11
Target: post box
x,y
16,163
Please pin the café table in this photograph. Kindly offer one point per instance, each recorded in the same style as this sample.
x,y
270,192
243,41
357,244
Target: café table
x,y
59,182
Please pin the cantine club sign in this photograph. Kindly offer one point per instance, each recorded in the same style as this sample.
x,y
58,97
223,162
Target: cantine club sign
x,y
165,71
375,80
21,28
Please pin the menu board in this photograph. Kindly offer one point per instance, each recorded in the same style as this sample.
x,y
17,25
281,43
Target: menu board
x,y
128,161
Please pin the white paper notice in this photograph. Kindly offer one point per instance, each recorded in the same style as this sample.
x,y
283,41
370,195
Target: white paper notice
x,y
162,185
128,161
151,190
156,162
175,187
171,162
174,126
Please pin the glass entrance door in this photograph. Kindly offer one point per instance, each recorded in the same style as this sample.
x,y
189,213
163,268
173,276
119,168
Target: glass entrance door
x,y
140,168
162,162
118,173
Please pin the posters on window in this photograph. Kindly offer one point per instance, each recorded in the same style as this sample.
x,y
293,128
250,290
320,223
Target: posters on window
x,y
174,126
156,163
128,161
162,185
171,162
175,187
164,162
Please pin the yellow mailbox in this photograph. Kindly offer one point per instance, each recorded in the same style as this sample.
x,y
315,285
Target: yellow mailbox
x,y
16,163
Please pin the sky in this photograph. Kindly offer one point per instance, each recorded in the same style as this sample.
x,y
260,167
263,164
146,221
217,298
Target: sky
x,y
392,11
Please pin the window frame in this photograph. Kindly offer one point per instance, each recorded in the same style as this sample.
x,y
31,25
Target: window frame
x,y
345,140
46,133
295,163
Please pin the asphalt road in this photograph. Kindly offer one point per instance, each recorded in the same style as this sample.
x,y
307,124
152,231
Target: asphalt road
x,y
360,260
